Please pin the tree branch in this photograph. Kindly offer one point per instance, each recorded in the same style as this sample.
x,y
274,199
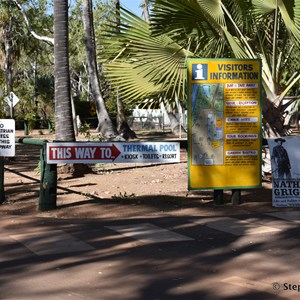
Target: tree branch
x,y
33,33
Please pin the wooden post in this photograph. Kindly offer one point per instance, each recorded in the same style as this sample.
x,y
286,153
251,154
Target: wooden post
x,y
2,193
48,183
236,197
218,197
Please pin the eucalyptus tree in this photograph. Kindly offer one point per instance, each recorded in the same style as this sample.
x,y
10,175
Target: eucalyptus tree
x,y
105,125
34,73
88,17
152,57
12,40
32,63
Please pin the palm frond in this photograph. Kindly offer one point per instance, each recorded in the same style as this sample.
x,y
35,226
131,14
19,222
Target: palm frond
x,y
130,81
150,64
146,60
289,10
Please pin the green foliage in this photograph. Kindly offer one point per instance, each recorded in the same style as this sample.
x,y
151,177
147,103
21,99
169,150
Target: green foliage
x,y
111,105
78,60
148,60
38,168
33,62
85,130
30,120
31,59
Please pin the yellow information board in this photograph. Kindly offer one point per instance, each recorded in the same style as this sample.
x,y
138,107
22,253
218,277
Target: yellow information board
x,y
224,123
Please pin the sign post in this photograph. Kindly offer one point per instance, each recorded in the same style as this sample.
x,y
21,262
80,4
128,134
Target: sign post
x,y
224,124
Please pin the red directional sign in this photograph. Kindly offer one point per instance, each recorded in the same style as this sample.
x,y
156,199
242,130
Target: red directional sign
x,y
82,152
90,153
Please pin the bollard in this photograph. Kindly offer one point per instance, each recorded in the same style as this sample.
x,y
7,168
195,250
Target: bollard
x,y
48,183
218,197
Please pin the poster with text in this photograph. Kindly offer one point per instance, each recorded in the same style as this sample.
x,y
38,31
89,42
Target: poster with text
x,y
285,158
7,137
224,123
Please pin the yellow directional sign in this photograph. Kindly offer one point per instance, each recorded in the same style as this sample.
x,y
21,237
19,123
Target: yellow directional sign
x,y
92,109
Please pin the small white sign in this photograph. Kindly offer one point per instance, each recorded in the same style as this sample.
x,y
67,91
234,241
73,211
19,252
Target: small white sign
x,y
7,137
12,100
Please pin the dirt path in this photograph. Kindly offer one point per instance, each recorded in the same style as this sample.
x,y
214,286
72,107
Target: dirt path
x,y
116,190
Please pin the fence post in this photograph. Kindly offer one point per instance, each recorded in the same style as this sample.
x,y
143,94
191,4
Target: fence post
x,y
48,184
2,192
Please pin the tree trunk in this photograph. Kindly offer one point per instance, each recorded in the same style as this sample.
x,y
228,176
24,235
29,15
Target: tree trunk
x,y
74,117
123,127
64,129
8,74
176,127
105,125
273,120
145,7
8,64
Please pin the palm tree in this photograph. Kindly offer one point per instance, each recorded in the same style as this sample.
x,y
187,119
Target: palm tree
x,y
64,128
135,61
152,58
122,124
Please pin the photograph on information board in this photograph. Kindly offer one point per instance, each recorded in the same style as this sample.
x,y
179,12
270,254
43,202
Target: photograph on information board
x,y
285,171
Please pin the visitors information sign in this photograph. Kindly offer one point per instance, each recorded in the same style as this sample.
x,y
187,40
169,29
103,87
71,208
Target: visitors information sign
x,y
90,153
7,137
224,123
